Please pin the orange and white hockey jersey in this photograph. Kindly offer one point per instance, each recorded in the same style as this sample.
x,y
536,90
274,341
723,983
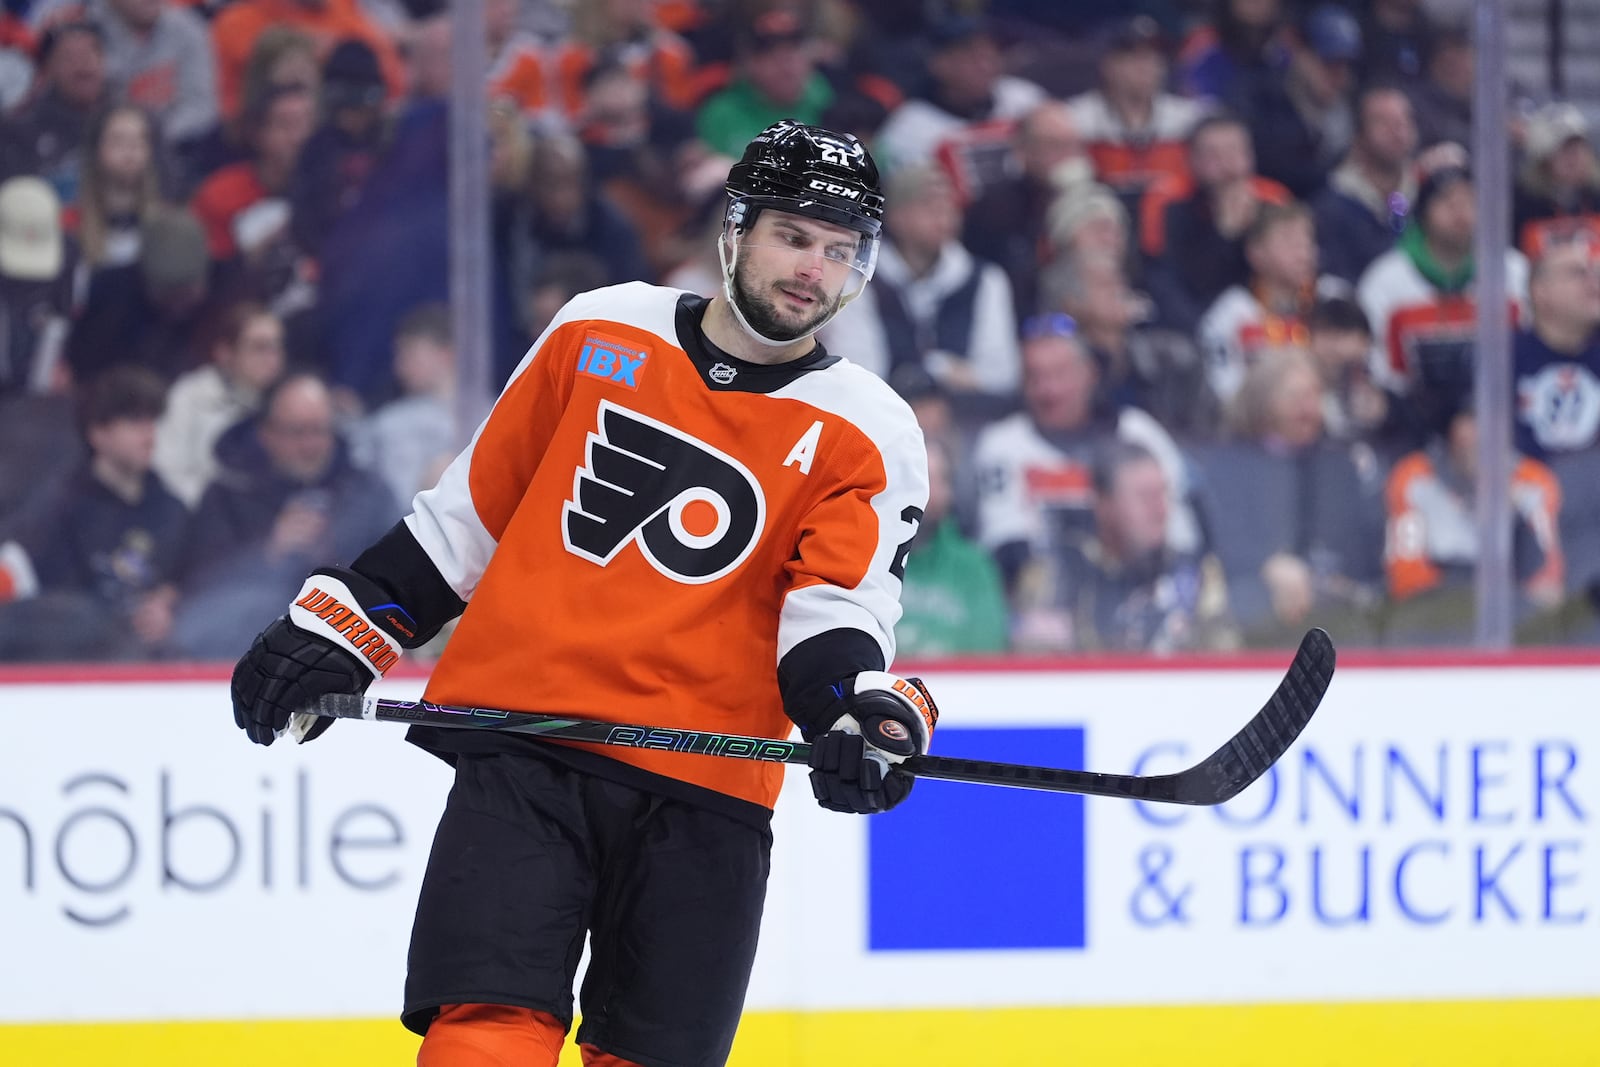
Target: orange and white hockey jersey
x,y
644,527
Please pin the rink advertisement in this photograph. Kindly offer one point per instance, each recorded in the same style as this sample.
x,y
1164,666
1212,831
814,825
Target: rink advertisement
x,y
1431,838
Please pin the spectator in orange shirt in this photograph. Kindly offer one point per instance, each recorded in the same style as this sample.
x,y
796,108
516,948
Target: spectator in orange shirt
x,y
517,61
624,31
1431,550
1557,193
327,22
1134,129
241,206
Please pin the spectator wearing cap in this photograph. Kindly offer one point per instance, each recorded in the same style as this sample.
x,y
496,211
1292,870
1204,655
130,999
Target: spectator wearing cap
x,y
1558,187
339,156
1301,119
967,97
1419,298
1006,224
1134,129
1444,100
777,78
1191,230
244,207
327,22
1241,44
1087,218
1556,357
35,285
158,57
153,312
1362,209
92,572
45,136
931,302
1248,322
1398,36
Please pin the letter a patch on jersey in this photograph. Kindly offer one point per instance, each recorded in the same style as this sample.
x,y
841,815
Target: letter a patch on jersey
x,y
694,511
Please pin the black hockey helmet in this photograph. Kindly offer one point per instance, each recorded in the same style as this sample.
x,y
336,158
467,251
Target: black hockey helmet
x,y
809,171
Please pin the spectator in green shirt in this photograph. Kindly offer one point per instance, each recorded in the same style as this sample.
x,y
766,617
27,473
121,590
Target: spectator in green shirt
x,y
777,79
953,598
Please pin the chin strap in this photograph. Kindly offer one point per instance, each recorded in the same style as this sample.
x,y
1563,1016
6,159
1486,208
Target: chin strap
x,y
729,257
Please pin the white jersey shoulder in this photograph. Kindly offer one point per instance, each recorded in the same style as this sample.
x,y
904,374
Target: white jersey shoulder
x,y
862,399
652,308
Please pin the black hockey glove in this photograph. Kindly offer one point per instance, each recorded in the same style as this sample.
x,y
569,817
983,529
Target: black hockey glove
x,y
341,633
878,721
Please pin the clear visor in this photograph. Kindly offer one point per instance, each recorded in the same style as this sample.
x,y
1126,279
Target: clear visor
x,y
828,263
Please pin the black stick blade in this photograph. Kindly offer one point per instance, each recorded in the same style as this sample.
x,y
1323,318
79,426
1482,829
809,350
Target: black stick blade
x,y
1253,750
1219,777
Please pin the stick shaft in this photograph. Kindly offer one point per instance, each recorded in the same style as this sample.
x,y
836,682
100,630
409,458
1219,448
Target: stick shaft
x,y
1243,759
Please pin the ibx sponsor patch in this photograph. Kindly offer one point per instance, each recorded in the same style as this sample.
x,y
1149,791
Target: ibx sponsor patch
x,y
612,360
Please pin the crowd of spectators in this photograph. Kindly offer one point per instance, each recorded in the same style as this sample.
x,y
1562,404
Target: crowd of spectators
x,y
1182,294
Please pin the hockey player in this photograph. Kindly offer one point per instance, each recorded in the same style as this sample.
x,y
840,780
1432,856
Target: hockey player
x,y
680,511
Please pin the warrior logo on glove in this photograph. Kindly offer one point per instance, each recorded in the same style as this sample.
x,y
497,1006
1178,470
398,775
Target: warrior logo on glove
x,y
695,512
348,624
915,690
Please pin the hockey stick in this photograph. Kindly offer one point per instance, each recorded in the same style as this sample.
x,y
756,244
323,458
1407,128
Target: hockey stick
x,y
1217,778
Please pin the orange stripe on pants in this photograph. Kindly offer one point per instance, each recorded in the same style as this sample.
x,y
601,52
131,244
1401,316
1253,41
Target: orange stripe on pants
x,y
492,1035
593,1057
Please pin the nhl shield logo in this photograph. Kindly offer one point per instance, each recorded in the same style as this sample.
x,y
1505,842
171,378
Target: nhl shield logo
x,y
722,374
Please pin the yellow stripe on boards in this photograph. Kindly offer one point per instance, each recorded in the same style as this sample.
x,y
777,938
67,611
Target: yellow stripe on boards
x,y
1447,1034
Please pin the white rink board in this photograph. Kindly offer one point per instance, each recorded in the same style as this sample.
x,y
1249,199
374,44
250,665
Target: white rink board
x,y
154,865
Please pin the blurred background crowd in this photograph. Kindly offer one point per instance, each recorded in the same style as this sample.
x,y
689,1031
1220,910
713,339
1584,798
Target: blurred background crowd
x,y
1181,291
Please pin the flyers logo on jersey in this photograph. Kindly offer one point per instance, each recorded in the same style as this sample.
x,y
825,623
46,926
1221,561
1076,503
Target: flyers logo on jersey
x,y
611,360
694,511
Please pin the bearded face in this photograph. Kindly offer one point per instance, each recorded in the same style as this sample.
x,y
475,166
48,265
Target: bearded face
x,y
782,308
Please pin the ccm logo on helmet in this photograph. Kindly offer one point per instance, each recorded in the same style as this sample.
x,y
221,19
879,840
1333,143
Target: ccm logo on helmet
x,y
831,188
